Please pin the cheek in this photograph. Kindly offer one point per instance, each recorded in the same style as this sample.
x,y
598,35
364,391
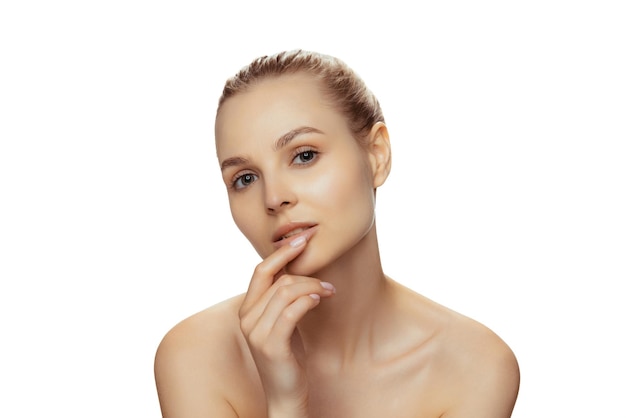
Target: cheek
x,y
342,187
243,216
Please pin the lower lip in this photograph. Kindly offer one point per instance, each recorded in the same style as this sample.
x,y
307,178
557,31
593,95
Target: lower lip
x,y
307,233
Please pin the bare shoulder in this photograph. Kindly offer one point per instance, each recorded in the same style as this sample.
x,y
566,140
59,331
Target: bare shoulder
x,y
485,375
473,372
198,362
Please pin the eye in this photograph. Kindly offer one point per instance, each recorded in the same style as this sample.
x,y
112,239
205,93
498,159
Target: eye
x,y
244,180
304,156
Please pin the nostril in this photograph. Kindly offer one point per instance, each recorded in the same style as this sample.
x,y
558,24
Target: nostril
x,y
275,207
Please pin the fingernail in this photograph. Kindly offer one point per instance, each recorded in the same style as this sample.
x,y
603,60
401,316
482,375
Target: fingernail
x,y
298,242
315,296
328,286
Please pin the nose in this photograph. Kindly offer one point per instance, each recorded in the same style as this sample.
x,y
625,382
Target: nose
x,y
278,196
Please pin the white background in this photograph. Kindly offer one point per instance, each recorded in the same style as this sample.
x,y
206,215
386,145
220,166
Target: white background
x,y
506,201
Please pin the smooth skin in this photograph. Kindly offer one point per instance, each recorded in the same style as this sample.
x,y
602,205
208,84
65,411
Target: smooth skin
x,y
321,331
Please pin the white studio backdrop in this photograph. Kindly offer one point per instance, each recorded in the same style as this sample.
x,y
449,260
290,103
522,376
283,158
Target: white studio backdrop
x,y
506,200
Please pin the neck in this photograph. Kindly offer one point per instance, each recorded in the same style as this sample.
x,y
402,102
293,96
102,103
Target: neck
x,y
343,326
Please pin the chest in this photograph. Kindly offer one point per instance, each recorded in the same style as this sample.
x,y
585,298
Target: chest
x,y
370,393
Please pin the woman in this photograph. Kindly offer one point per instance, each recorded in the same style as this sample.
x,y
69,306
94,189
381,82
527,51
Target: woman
x,y
321,331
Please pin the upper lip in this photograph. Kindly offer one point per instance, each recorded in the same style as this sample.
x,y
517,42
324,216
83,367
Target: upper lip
x,y
287,228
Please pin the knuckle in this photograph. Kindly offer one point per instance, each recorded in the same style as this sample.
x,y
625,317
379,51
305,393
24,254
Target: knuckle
x,y
245,329
267,351
286,280
263,347
284,293
288,315
247,325
242,313
261,269
255,339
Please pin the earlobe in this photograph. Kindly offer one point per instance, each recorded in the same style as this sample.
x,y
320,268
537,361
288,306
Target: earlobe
x,y
379,149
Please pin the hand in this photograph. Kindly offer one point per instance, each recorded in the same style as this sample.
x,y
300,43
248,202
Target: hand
x,y
268,317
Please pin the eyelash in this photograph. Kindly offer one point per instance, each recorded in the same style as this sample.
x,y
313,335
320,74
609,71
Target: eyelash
x,y
303,150
236,187
298,153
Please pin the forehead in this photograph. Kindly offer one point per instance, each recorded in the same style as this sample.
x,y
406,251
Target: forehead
x,y
271,108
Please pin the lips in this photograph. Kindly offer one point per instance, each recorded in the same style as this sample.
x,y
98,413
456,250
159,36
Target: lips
x,y
290,230
293,232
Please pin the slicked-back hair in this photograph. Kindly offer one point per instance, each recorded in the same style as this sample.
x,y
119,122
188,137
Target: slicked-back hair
x,y
339,83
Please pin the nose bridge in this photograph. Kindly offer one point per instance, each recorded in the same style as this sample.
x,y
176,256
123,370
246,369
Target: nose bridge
x,y
277,192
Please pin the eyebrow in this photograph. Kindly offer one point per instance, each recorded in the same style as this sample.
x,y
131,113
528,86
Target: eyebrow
x,y
289,136
233,162
280,143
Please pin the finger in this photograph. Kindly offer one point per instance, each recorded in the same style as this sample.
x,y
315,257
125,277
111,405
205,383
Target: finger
x,y
273,339
286,322
251,310
267,269
284,296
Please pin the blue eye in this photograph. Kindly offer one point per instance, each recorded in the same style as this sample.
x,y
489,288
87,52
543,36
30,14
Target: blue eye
x,y
305,157
244,181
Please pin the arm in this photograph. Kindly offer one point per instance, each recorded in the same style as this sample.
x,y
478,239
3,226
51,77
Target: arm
x,y
185,384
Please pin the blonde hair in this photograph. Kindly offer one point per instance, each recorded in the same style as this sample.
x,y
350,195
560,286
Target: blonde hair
x,y
343,87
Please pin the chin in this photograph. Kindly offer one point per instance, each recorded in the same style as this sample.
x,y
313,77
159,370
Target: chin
x,y
297,268
304,265
311,263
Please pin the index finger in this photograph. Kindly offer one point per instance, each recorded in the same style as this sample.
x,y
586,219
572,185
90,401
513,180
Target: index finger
x,y
266,270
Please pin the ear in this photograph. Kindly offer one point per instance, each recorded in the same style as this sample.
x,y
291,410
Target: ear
x,y
379,152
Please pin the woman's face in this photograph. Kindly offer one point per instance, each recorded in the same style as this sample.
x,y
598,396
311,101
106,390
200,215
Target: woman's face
x,y
292,168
